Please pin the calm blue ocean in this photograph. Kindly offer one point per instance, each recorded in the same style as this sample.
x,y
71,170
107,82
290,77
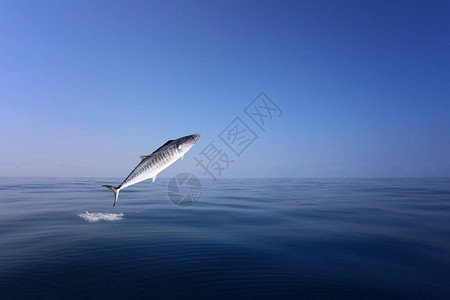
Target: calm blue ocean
x,y
244,238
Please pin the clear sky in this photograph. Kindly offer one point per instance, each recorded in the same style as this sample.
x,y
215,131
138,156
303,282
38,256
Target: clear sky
x,y
88,86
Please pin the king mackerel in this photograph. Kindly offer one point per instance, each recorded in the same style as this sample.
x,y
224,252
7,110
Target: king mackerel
x,y
151,165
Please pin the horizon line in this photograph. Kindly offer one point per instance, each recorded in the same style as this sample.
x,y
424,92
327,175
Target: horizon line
x,y
343,177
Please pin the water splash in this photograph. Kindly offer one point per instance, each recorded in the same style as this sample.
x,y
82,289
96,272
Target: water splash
x,y
95,217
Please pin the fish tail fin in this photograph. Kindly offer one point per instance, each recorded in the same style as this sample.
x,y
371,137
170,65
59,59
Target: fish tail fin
x,y
116,192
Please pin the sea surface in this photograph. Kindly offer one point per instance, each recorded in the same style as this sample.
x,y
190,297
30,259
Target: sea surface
x,y
243,239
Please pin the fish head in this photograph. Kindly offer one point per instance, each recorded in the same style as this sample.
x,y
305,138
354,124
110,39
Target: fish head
x,y
194,137
189,141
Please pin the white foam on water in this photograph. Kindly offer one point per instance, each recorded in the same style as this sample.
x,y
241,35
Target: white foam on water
x,y
95,217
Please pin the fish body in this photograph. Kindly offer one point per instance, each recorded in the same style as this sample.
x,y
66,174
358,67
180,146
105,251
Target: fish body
x,y
151,165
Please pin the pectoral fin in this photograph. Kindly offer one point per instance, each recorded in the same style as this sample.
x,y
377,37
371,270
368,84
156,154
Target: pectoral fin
x,y
154,178
143,156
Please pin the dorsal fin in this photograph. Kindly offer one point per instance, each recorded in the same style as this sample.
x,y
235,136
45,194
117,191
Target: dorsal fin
x,y
167,143
146,156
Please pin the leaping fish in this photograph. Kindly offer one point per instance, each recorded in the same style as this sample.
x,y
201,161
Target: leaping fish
x,y
151,165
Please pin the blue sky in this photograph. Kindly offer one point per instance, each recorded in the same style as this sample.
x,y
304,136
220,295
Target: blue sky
x,y
88,86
